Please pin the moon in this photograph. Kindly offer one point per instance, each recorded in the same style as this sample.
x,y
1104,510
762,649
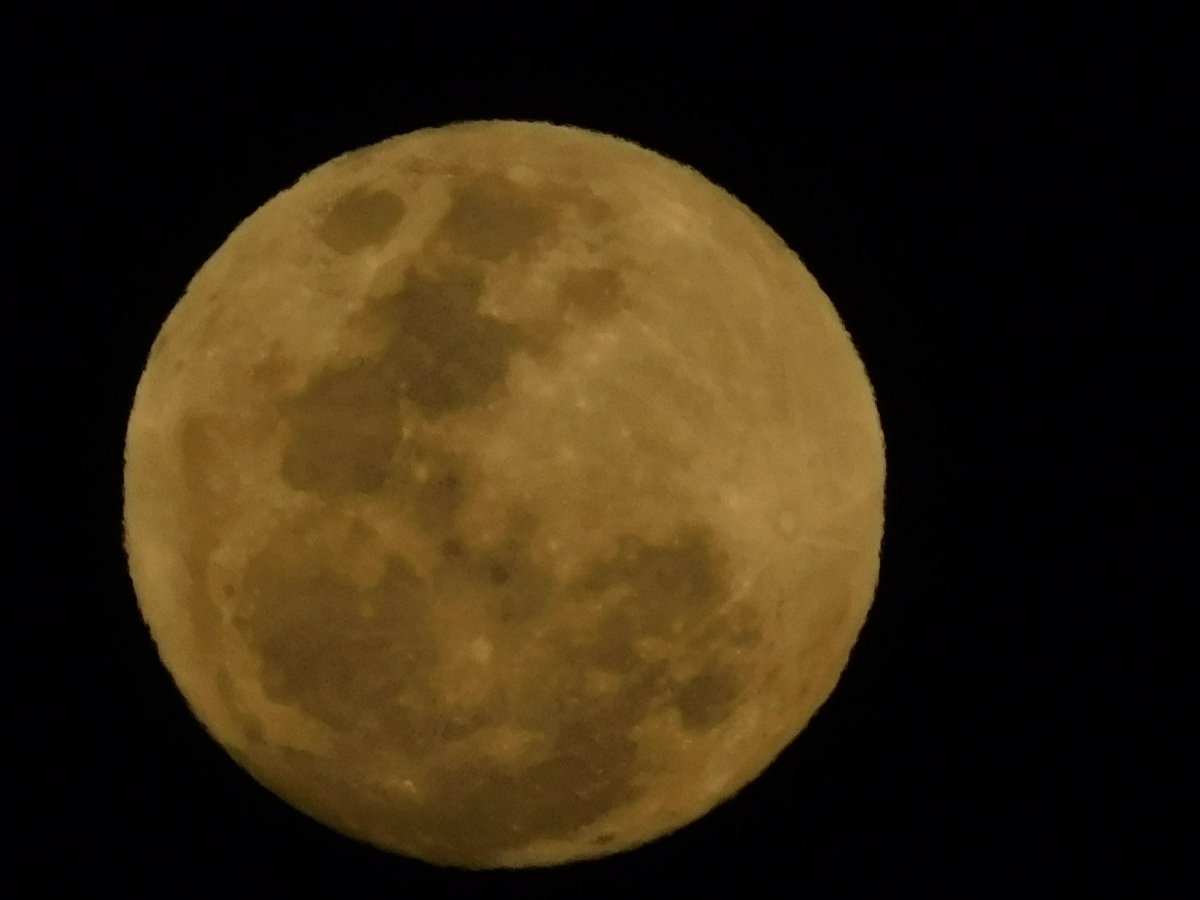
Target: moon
x,y
504,494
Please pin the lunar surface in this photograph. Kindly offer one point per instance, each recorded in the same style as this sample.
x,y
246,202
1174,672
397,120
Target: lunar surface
x,y
504,494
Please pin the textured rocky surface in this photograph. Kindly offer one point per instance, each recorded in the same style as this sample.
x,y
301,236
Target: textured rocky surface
x,y
504,494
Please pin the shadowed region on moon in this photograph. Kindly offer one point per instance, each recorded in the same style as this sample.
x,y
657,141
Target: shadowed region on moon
x,y
595,292
361,218
474,699
493,218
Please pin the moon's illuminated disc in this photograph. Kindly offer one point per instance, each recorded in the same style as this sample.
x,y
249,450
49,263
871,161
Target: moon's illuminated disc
x,y
504,494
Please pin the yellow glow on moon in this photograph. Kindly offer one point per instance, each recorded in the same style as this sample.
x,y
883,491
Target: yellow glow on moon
x,y
504,494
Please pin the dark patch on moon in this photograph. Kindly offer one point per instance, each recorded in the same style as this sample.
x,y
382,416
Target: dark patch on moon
x,y
344,429
429,483
492,218
596,293
359,219
418,727
707,699
441,356
444,353
522,589
318,650
610,649
682,578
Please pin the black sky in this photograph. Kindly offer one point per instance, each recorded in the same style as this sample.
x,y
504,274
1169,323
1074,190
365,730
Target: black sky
x,y
951,186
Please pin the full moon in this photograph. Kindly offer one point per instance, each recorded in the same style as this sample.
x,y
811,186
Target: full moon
x,y
504,494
